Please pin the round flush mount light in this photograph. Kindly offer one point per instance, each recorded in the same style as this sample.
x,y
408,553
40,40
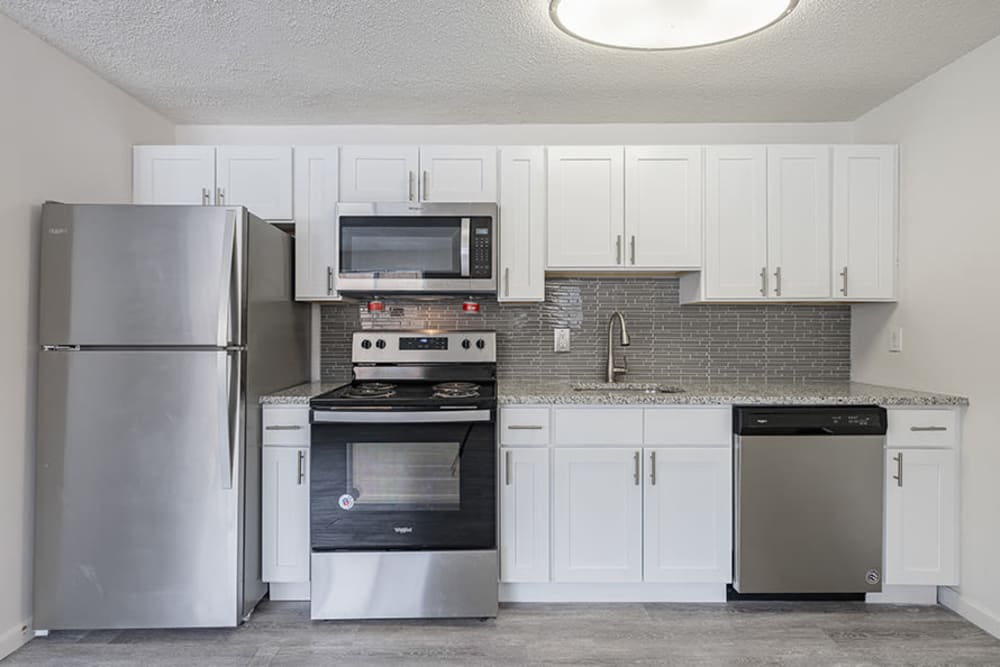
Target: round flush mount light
x,y
656,25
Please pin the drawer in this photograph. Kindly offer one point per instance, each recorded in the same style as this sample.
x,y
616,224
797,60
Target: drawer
x,y
285,425
524,426
688,426
597,426
923,428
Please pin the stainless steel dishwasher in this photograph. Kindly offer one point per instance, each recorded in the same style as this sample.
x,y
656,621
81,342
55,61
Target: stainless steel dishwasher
x,y
809,499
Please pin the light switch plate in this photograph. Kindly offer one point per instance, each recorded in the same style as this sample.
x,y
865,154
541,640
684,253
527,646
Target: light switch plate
x,y
561,340
896,339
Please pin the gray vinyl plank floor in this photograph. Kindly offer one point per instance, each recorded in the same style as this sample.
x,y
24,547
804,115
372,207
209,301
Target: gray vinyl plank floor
x,y
741,633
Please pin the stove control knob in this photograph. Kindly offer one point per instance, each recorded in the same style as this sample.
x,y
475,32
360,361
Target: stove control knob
x,y
380,344
366,344
480,343
466,344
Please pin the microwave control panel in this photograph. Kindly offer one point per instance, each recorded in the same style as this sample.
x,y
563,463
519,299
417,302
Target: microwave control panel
x,y
481,248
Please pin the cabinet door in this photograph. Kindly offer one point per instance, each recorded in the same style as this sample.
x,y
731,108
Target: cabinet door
x,y
798,221
285,514
688,515
597,515
663,206
524,514
378,173
173,175
735,222
522,224
316,182
864,222
586,189
458,173
921,517
258,177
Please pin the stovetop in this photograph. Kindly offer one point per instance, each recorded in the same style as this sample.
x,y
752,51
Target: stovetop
x,y
401,393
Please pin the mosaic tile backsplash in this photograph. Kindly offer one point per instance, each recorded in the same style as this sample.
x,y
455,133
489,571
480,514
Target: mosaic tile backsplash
x,y
669,341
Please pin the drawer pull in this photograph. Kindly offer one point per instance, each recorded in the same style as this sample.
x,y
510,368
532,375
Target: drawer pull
x,y
283,427
524,427
928,428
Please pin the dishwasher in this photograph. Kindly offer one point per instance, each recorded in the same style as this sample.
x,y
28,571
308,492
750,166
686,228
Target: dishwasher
x,y
808,495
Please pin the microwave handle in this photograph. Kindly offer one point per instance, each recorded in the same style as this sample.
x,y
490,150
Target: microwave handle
x,y
466,247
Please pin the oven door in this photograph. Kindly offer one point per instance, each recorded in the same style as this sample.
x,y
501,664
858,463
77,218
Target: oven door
x,y
413,483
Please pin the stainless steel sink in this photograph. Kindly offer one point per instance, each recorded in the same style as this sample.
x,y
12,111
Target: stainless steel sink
x,y
633,387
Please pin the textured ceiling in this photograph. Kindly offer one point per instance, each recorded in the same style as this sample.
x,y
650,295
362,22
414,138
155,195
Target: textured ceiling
x,y
494,61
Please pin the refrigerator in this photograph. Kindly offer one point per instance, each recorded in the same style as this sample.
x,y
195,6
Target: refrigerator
x,y
160,327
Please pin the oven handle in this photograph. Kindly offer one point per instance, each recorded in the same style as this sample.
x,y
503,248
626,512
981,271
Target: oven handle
x,y
466,247
378,417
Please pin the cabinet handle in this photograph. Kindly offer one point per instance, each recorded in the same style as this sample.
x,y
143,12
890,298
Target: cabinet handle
x,y
618,250
302,467
898,458
283,427
412,184
637,475
329,280
777,281
506,281
506,467
524,427
763,281
928,428
632,250
220,196
205,194
427,185
843,276
652,468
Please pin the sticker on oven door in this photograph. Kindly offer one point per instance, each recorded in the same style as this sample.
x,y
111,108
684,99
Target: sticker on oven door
x,y
346,501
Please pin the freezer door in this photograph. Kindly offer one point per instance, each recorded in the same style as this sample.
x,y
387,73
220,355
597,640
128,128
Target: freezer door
x,y
138,487
141,275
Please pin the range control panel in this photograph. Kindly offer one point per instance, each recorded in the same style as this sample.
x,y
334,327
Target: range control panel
x,y
398,347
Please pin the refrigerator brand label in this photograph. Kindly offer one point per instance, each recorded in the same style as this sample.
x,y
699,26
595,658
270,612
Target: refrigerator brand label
x,y
346,501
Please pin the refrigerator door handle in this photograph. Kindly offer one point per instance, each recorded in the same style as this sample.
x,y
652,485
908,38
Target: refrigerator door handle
x,y
230,288
226,420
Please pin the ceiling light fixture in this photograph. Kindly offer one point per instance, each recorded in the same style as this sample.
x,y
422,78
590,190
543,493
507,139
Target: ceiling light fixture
x,y
661,25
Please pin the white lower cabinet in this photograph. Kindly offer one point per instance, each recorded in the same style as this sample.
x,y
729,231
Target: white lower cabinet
x,y
921,517
687,533
597,515
524,514
285,514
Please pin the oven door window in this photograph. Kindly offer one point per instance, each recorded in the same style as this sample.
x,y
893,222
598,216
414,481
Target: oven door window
x,y
403,486
417,248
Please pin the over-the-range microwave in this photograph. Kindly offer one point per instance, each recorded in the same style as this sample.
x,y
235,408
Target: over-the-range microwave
x,y
393,248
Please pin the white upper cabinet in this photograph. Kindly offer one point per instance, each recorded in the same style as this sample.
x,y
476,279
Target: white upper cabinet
x,y
663,206
524,514
458,173
735,223
316,183
173,175
586,190
379,173
522,224
258,177
798,221
864,222
597,515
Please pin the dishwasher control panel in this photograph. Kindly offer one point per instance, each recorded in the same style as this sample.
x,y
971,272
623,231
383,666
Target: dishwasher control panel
x,y
809,420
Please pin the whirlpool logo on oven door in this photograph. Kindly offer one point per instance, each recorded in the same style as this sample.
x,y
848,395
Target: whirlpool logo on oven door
x,y
403,530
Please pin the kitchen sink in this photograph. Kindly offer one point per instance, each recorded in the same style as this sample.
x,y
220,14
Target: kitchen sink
x,y
634,387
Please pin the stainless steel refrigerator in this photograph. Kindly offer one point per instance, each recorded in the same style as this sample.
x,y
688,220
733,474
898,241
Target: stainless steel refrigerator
x,y
160,327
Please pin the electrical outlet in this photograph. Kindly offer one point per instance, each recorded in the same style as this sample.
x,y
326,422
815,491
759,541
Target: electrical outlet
x,y
561,340
896,339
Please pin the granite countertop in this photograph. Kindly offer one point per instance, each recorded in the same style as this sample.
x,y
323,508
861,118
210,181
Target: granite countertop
x,y
548,392
561,392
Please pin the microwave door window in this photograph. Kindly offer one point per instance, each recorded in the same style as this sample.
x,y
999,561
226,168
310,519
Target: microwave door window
x,y
420,476
424,250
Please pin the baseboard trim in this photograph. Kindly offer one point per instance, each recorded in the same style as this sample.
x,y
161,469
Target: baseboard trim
x,y
14,638
926,595
635,592
987,619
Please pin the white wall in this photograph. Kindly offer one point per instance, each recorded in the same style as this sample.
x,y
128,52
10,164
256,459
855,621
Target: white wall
x,y
611,133
948,128
65,134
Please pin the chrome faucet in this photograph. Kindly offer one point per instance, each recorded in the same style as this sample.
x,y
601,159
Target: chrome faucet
x,y
612,369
